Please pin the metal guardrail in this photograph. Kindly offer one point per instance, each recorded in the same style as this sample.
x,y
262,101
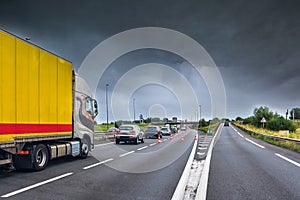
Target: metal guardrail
x,y
272,136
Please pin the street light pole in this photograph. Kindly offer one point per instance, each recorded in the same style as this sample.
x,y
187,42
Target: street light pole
x,y
106,106
133,110
200,114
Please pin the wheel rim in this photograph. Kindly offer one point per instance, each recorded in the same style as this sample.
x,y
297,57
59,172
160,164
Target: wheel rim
x,y
41,157
85,149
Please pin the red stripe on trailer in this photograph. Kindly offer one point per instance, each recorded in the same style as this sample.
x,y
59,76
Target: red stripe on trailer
x,y
34,128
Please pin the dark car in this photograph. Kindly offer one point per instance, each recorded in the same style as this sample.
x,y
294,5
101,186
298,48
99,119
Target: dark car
x,y
174,130
226,123
153,132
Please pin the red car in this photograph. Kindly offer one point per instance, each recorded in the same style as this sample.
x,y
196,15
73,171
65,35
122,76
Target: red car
x,y
113,130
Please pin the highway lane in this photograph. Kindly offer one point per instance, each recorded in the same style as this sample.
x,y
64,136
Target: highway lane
x,y
121,177
245,168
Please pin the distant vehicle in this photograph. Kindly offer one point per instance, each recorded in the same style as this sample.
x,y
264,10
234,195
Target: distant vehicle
x,y
166,130
226,123
130,133
174,130
183,128
113,130
153,131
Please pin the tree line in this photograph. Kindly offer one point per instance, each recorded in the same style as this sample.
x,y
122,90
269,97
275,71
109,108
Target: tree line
x,y
274,121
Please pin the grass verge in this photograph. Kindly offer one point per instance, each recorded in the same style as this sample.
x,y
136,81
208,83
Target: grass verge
x,y
285,144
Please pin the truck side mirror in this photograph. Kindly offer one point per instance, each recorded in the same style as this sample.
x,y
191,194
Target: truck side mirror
x,y
95,108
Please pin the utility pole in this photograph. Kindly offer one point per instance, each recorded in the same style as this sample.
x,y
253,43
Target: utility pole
x,y
133,110
200,112
106,105
293,114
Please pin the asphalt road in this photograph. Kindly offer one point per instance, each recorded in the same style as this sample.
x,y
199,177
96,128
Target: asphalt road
x,y
125,171
246,168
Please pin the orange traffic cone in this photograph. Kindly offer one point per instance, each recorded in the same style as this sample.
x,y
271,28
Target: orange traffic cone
x,y
158,140
171,137
182,138
196,137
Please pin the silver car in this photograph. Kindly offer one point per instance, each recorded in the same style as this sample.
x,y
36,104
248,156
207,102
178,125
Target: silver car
x,y
130,133
153,131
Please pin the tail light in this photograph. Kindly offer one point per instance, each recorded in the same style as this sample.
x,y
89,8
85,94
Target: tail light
x,y
24,152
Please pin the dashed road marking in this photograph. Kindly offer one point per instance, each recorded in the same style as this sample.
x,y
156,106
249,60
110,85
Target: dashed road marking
x,y
142,148
255,143
152,144
202,148
99,163
125,154
36,185
287,159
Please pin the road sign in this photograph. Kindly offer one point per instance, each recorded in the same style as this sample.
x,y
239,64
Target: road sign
x,y
263,120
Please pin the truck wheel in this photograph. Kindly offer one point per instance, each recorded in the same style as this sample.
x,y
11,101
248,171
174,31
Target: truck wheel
x,y
142,140
84,148
40,157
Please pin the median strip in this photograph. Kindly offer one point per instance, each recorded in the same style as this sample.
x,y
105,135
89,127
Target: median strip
x,y
125,154
99,163
36,185
287,159
255,143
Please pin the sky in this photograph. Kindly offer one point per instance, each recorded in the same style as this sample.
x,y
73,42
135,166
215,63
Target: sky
x,y
255,46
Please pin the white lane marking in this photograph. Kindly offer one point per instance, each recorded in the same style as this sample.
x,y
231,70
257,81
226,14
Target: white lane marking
x,y
125,154
36,185
152,144
98,145
202,148
165,140
240,134
142,148
99,163
201,154
287,159
255,143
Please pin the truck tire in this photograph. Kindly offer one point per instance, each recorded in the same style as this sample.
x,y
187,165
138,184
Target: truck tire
x,y
40,157
84,148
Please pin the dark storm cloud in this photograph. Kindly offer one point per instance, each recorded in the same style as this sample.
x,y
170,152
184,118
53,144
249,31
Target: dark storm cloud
x,y
255,44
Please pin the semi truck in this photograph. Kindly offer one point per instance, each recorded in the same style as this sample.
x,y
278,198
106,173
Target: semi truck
x,y
46,109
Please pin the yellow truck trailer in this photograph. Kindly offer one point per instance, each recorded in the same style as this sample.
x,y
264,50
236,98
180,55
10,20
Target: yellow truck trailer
x,y
46,111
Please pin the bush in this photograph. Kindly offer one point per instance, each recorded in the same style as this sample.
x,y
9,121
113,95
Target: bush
x,y
249,120
280,123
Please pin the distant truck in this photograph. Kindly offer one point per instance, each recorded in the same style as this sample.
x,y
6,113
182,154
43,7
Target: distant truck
x,y
46,111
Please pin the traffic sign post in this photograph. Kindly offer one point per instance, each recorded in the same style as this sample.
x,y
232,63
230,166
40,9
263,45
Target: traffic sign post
x,y
263,121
